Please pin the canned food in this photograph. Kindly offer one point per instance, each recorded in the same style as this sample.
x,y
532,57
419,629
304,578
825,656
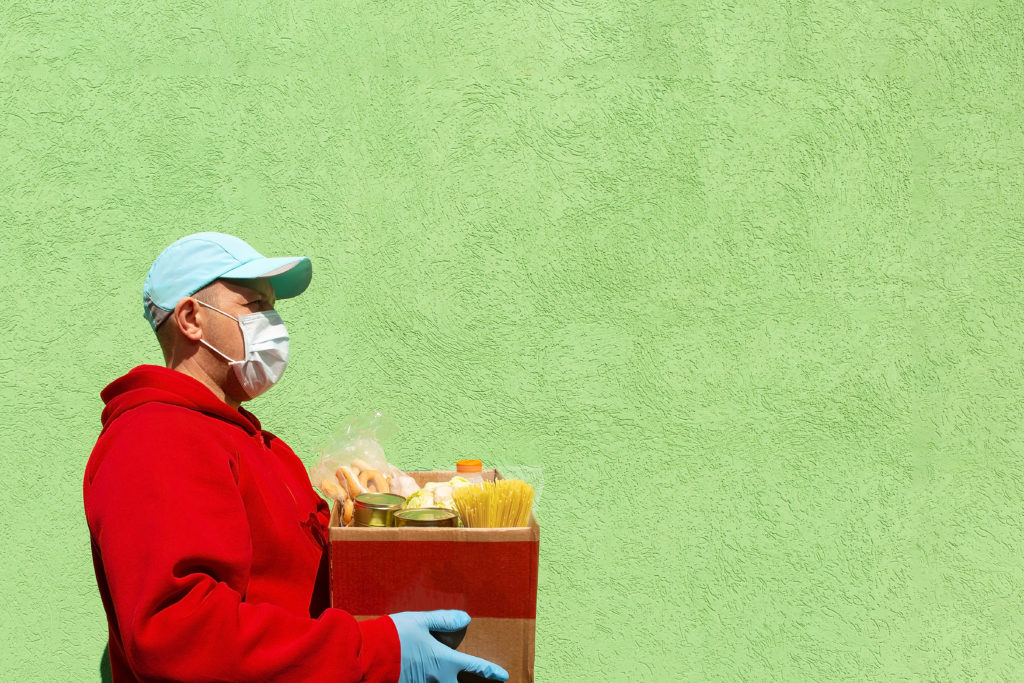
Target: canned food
x,y
426,517
376,509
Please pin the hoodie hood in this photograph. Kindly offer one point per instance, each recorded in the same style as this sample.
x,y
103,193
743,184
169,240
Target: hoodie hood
x,y
156,384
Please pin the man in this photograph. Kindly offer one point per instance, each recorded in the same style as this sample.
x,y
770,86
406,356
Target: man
x,y
208,541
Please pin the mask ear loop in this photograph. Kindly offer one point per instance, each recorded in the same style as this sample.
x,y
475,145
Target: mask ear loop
x,y
213,348
217,351
203,303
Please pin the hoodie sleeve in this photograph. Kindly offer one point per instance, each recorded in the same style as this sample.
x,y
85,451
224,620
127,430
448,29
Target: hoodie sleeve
x,y
172,535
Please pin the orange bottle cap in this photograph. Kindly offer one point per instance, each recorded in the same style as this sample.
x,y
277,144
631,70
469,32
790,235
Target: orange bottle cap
x,y
469,466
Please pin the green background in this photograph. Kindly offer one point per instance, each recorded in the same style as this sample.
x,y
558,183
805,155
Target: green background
x,y
742,279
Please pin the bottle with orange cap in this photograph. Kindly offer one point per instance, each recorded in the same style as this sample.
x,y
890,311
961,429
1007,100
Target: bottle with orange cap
x,y
471,470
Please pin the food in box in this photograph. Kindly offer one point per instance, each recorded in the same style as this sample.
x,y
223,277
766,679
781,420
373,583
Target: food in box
x,y
489,573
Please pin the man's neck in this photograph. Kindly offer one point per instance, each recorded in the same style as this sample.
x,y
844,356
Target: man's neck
x,y
194,370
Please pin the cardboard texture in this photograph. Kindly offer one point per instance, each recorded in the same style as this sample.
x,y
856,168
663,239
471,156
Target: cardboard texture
x,y
489,573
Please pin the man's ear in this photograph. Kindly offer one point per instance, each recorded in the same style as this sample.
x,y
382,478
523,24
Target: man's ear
x,y
186,317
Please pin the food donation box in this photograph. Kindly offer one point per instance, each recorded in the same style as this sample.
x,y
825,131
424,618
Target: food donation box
x,y
489,573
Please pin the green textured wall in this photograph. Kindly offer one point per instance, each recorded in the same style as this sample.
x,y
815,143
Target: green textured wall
x,y
744,279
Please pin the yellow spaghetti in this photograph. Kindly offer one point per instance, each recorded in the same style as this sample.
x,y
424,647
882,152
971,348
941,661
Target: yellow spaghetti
x,y
505,502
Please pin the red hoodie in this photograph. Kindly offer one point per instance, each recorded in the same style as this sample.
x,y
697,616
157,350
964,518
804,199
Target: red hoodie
x,y
207,539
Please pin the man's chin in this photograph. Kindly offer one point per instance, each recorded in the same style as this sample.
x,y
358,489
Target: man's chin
x,y
237,395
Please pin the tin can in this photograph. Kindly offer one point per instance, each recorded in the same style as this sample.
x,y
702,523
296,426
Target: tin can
x,y
426,517
376,509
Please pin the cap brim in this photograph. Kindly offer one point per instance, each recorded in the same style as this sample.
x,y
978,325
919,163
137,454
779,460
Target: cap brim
x,y
288,275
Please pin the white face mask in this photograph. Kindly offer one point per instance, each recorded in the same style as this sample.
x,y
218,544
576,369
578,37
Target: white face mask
x,y
266,350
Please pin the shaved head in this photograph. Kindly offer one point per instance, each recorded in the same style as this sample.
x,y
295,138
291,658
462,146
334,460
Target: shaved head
x,y
168,334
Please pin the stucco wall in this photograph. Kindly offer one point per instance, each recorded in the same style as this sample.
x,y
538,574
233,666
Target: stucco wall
x,y
745,282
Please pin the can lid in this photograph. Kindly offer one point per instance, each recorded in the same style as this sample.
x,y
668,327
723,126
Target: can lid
x,y
425,514
379,501
469,466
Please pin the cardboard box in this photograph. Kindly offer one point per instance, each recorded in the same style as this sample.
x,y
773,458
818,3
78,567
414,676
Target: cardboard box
x,y
489,573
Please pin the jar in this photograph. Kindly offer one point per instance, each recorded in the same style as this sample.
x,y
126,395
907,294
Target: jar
x,y
471,470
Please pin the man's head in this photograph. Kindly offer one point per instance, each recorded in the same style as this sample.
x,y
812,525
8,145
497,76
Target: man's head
x,y
201,291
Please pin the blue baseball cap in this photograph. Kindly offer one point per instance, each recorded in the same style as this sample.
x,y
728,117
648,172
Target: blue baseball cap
x,y
195,261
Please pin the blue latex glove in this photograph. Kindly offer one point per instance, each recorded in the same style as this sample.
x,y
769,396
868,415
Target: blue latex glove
x,y
426,660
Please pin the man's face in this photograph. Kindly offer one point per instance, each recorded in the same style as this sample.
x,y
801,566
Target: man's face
x,y
236,298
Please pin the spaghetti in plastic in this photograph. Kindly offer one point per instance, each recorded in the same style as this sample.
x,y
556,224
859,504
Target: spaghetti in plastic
x,y
500,503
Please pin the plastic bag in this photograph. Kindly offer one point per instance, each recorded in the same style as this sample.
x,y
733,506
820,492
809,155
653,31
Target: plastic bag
x,y
354,462
531,474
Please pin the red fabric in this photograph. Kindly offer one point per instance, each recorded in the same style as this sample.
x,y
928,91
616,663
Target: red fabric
x,y
487,579
207,541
